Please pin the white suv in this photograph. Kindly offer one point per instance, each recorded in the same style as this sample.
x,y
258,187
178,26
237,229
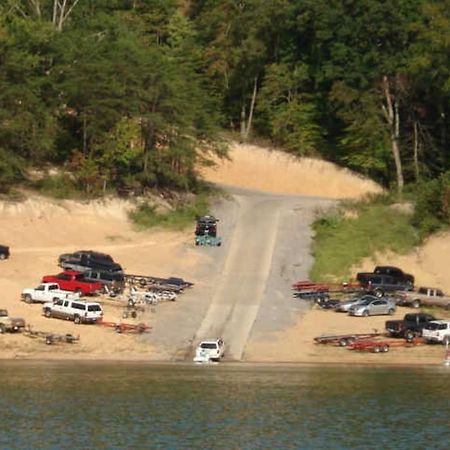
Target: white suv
x,y
210,350
77,310
437,331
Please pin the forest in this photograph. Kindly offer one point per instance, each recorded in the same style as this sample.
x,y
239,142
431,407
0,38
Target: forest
x,y
136,94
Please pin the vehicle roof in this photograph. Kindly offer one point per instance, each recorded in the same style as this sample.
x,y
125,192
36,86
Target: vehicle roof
x,y
214,340
440,321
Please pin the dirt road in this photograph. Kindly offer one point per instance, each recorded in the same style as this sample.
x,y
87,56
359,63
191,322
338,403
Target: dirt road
x,y
266,251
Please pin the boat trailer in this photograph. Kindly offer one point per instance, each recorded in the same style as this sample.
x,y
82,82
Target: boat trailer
x,y
120,327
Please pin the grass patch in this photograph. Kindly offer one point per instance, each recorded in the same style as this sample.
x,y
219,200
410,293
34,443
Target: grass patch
x,y
346,236
60,187
179,218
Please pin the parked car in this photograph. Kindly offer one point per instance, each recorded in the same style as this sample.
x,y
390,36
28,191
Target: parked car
x,y
346,305
77,310
114,282
373,307
83,260
74,281
437,331
379,285
424,296
4,252
394,272
411,326
10,324
210,350
47,292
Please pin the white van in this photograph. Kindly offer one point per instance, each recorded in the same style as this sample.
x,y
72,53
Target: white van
x,y
437,331
77,310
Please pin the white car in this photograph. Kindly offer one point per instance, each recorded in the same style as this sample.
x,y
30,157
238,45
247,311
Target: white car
x,y
210,350
77,310
437,331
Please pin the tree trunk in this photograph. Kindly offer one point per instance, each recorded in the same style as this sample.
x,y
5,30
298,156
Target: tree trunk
x,y
392,115
252,107
416,151
85,146
243,117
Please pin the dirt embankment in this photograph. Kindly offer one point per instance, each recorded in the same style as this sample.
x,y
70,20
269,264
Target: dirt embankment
x,y
38,230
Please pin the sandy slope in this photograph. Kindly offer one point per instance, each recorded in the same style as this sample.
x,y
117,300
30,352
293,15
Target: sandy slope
x,y
269,170
38,230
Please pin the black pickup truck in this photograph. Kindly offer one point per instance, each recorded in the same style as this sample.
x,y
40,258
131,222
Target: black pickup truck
x,y
411,325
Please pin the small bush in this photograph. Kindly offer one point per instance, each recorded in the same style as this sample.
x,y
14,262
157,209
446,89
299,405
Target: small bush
x,y
59,186
179,218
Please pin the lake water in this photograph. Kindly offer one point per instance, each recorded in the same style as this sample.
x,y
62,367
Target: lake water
x,y
137,406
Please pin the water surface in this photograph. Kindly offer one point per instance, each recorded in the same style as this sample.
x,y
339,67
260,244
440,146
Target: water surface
x,y
137,406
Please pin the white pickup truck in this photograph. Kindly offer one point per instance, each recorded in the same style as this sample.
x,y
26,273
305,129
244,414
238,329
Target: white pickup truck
x,y
47,292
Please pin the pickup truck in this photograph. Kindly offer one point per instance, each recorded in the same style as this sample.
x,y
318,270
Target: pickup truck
x,y
410,327
47,292
424,296
397,274
71,280
10,324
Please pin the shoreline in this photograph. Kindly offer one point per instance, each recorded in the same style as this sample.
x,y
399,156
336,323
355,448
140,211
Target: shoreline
x,y
274,364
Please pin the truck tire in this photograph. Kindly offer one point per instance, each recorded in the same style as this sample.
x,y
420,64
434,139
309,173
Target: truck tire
x,y
416,303
2,256
78,291
27,298
385,348
2,328
409,335
446,340
48,313
378,293
77,319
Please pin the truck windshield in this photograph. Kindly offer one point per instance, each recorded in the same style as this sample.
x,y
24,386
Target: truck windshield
x,y
208,345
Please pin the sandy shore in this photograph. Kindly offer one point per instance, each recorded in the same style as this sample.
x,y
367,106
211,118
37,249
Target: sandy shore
x,y
38,230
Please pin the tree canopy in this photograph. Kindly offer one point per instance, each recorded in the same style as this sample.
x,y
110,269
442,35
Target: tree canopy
x,y
134,92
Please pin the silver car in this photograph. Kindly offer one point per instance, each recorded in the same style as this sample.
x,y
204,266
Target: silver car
x,y
373,307
345,306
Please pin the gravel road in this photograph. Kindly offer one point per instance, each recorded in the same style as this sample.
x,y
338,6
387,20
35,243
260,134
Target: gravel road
x,y
243,292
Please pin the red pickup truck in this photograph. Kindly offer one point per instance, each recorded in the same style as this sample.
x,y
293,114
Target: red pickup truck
x,y
71,280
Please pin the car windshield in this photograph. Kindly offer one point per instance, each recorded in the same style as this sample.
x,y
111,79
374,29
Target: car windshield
x,y
208,345
365,301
